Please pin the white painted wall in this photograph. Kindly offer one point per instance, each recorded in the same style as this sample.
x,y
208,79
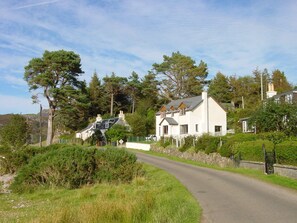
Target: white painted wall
x,y
140,146
207,115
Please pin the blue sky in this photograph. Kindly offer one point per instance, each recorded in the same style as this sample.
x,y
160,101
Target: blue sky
x,y
121,36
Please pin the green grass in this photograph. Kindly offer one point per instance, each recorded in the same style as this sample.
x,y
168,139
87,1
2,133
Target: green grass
x,y
273,179
157,197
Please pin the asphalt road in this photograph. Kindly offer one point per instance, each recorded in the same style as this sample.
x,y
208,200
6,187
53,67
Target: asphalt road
x,y
227,197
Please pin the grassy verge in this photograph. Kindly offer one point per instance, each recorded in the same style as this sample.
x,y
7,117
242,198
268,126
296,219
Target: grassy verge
x,y
273,179
157,197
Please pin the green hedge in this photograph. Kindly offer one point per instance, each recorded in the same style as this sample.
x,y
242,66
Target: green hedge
x,y
74,166
252,150
286,153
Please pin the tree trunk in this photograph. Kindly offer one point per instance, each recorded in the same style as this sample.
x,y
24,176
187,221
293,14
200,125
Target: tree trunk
x,y
50,132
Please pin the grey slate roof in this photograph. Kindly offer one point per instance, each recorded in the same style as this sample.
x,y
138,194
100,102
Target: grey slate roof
x,y
191,103
170,121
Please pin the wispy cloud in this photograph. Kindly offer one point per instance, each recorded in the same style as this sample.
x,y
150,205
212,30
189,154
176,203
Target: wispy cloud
x,y
233,37
35,4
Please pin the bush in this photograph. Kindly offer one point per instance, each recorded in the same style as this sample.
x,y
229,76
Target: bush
x,y
188,143
15,160
286,153
73,166
207,143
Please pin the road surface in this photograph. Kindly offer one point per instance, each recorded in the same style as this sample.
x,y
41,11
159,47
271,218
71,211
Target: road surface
x,y
227,197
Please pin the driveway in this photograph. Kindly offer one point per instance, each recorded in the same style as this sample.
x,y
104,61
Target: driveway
x,y
228,197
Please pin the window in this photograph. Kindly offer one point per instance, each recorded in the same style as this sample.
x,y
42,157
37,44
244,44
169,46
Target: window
x,y
196,128
172,114
163,114
184,129
218,128
165,130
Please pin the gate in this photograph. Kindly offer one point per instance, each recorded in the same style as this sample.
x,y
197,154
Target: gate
x,y
269,161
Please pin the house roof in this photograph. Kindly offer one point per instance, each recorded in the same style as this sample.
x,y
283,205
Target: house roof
x,y
285,93
187,103
170,121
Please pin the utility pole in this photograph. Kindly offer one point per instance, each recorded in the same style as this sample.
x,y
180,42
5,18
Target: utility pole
x,y
262,93
40,126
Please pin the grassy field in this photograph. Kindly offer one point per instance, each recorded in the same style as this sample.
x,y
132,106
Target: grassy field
x,y
157,197
273,179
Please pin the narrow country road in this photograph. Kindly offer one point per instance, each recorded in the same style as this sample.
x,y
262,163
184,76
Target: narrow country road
x,y
227,197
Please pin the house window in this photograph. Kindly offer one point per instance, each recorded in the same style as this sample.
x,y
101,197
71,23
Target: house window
x,y
218,128
163,114
196,128
184,129
172,114
165,129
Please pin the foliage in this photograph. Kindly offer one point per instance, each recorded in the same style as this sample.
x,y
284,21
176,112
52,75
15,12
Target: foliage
x,y
146,199
219,88
73,166
273,116
189,142
252,150
17,159
15,133
286,153
180,76
115,86
117,132
207,143
56,74
280,81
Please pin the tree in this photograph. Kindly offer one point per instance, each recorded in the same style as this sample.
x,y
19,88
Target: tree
x,y
180,77
54,73
113,86
280,82
15,133
96,93
273,116
133,88
220,88
73,114
117,132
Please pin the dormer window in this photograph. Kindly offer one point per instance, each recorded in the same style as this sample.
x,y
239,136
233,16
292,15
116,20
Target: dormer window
x,y
182,108
163,112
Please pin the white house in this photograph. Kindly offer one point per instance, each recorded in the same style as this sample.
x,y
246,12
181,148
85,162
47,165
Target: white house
x,y
101,124
191,116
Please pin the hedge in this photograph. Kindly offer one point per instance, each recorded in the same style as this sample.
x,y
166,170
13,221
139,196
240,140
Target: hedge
x,y
286,153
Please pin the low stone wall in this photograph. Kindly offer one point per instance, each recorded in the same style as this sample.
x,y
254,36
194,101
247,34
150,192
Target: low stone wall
x,y
213,158
252,165
141,146
284,170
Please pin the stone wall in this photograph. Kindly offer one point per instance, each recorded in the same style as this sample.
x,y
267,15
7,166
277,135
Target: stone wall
x,y
284,170
213,158
252,165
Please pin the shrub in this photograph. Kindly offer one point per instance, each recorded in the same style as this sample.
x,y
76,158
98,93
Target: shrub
x,y
73,166
15,160
286,153
207,143
189,142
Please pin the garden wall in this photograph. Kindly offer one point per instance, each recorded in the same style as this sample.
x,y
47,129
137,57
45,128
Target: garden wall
x,y
285,170
141,146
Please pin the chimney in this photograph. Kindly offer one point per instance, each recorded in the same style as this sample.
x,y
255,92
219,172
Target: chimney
x,y
205,111
271,92
122,116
